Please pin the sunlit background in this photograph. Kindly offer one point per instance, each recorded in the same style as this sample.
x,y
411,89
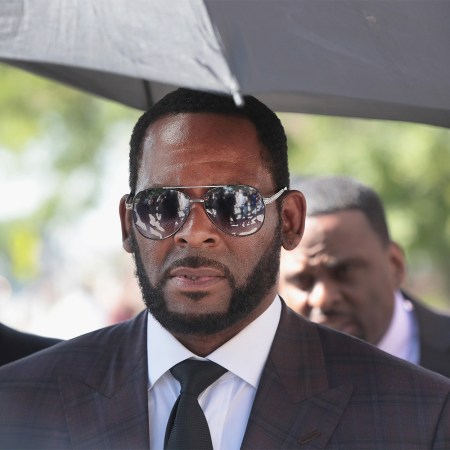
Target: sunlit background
x,y
64,167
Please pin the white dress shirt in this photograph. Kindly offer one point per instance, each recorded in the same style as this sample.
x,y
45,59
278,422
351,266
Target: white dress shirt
x,y
402,337
228,401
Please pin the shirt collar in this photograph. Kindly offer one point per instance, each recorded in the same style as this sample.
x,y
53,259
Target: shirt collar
x,y
234,355
401,337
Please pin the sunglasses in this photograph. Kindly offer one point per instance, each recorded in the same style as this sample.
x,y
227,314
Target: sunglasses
x,y
159,213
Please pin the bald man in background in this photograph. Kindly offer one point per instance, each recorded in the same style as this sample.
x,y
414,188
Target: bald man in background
x,y
346,274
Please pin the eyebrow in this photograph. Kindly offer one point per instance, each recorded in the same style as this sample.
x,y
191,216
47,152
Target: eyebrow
x,y
351,261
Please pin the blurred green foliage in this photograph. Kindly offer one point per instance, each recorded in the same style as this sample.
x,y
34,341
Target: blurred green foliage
x,y
23,248
62,133
408,164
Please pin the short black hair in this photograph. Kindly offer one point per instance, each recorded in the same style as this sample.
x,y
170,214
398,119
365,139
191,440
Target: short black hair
x,y
330,194
268,126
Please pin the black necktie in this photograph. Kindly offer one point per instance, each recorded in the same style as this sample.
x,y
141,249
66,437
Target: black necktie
x,y
187,427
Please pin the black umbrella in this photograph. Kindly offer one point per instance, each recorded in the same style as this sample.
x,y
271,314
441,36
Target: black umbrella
x,y
380,59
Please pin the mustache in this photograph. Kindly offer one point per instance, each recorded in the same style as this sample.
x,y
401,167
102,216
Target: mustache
x,y
192,261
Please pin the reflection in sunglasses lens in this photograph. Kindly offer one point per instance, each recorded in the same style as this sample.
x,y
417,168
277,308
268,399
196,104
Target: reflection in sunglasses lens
x,y
236,210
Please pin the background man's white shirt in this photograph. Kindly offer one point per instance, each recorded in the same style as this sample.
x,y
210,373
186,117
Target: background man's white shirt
x,y
402,337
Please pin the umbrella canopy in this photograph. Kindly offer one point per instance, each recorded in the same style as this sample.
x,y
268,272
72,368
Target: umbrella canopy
x,y
379,59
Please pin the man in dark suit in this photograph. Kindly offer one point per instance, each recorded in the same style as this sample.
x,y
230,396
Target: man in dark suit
x,y
347,272
209,281
15,344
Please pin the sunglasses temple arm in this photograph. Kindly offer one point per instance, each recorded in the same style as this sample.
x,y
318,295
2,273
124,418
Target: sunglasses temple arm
x,y
269,200
129,201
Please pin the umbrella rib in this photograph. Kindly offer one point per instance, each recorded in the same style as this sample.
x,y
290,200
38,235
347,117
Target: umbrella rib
x,y
148,93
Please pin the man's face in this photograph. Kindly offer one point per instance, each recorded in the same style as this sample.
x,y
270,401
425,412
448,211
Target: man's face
x,y
201,280
342,275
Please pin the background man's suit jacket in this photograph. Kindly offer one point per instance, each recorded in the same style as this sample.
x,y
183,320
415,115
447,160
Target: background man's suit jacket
x,y
434,329
15,344
319,389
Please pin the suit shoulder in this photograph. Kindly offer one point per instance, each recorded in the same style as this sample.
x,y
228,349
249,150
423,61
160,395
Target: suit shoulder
x,y
433,323
15,344
75,356
365,361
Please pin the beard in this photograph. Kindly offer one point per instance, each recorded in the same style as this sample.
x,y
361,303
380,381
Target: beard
x,y
243,299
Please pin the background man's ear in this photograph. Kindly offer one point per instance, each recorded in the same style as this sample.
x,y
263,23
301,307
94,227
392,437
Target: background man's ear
x,y
125,222
293,215
397,262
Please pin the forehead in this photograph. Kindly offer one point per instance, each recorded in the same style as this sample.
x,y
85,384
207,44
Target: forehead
x,y
202,149
337,236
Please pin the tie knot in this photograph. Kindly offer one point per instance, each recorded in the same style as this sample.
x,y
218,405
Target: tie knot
x,y
195,376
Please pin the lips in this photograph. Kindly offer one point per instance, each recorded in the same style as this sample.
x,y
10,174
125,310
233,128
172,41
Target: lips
x,y
197,272
344,325
188,277
339,321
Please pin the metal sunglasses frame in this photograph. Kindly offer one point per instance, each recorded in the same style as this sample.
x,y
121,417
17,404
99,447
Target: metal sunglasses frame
x,y
266,200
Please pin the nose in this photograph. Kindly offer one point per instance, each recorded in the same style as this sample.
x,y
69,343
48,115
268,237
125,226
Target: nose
x,y
198,230
324,295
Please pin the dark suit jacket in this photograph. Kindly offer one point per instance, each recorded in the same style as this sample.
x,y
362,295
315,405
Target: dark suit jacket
x,y
319,389
434,329
15,344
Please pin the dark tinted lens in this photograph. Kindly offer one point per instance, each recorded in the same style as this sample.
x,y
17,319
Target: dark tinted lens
x,y
159,213
237,210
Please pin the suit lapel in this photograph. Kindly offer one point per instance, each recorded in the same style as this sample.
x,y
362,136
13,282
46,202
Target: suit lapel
x,y
108,409
294,404
434,337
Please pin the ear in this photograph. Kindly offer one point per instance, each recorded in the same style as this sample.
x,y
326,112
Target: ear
x,y
397,262
125,222
293,214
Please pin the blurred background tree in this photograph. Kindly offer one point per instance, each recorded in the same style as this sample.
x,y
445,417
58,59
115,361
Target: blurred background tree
x,y
63,158
63,153
54,135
